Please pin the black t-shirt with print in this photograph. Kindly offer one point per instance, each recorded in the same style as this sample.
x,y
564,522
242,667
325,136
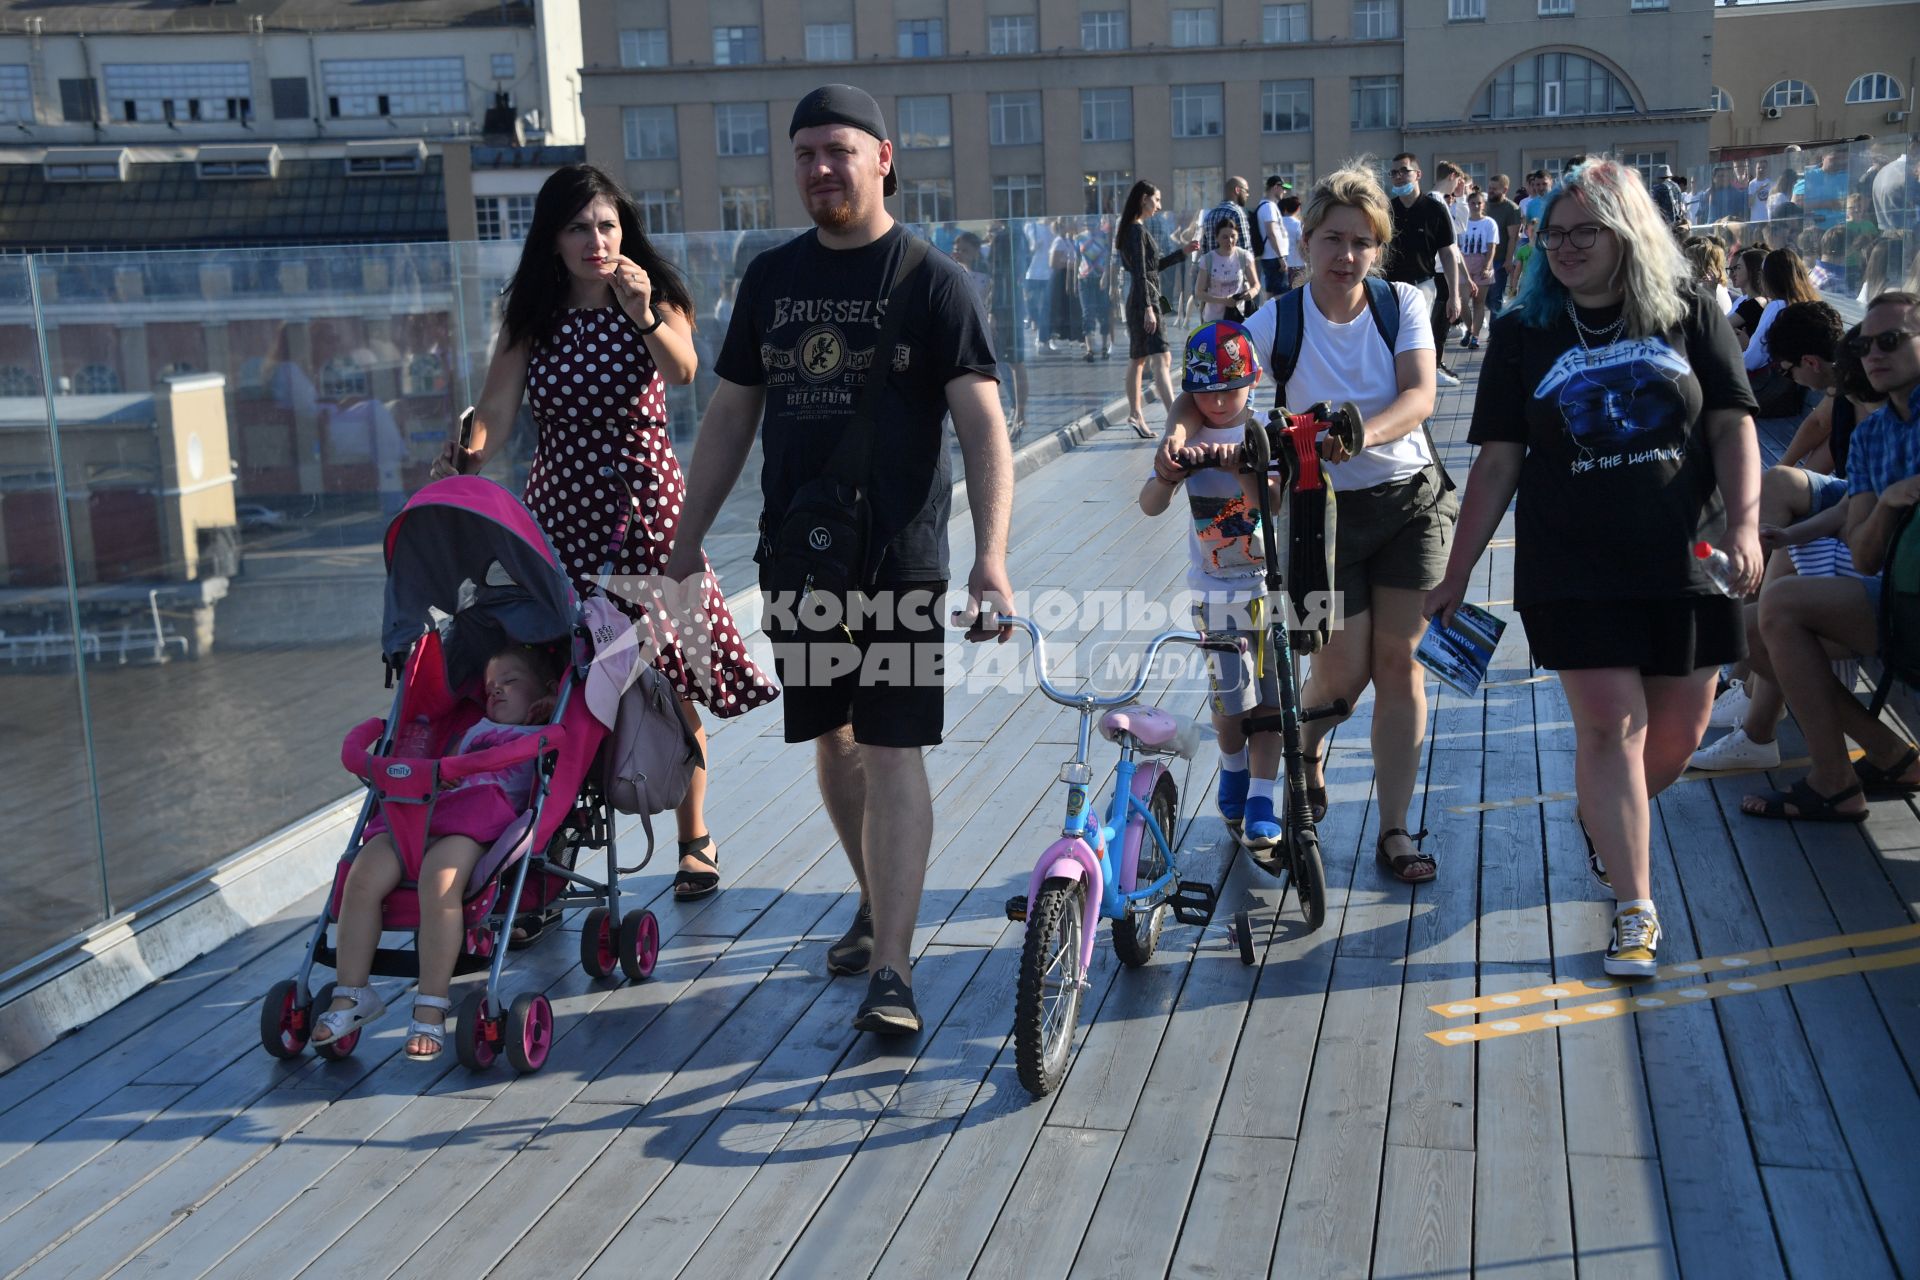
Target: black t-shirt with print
x,y
1618,481
1420,231
801,316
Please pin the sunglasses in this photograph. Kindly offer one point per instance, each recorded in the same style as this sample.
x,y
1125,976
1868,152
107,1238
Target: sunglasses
x,y
1889,342
1400,173
1582,237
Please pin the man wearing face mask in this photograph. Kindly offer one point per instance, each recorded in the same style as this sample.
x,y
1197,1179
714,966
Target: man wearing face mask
x,y
1422,249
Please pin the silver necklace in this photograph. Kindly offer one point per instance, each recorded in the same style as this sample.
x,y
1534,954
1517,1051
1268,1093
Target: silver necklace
x,y
1605,335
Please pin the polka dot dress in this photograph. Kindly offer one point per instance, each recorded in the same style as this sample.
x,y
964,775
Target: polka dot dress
x,y
599,402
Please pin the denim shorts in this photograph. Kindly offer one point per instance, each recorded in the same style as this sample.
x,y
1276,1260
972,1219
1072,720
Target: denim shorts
x,y
1825,491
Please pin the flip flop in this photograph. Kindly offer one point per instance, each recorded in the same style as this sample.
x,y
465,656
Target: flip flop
x,y
1812,806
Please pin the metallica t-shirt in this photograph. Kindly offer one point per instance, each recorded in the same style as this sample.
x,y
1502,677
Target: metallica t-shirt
x,y
804,327
1618,481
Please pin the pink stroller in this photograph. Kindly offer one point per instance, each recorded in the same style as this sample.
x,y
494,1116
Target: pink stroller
x,y
468,571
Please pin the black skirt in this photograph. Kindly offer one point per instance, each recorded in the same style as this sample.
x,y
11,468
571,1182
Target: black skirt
x,y
1674,636
1140,343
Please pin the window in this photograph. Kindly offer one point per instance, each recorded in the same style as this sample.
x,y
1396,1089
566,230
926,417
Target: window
x,y
1476,171
1107,189
1644,162
650,133
1556,8
1103,29
735,46
149,92
645,47
1645,6
1197,110
1466,10
402,162
1013,119
1284,23
927,199
746,208
659,211
222,170
1193,190
360,87
16,94
740,128
79,102
1106,115
1551,84
922,37
108,170
1376,102
1874,87
1014,34
96,380
1192,27
829,42
16,380
1790,93
1018,196
1286,106
1297,173
925,122
1719,100
502,66
503,217
1376,19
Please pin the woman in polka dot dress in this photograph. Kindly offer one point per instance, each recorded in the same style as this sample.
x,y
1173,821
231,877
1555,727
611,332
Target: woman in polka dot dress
x,y
596,324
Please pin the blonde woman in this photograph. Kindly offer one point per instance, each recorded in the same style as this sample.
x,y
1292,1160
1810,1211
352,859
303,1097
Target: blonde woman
x,y
1395,508
1613,385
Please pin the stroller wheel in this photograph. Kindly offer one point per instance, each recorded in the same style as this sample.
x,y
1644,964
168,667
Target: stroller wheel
x,y
336,1049
1243,936
476,1034
639,945
597,955
286,1019
529,1032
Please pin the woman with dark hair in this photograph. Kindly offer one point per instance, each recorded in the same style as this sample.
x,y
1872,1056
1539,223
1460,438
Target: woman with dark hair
x,y
1784,276
1146,337
596,324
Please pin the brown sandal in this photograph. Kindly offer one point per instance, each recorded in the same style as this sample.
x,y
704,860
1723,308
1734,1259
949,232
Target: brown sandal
x,y
1317,796
1406,867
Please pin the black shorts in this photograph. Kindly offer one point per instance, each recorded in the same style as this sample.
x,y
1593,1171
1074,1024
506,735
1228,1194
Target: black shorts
x,y
878,664
1674,636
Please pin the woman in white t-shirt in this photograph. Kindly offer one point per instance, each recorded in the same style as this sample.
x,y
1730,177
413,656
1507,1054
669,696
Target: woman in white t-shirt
x,y
1225,276
1479,242
1396,510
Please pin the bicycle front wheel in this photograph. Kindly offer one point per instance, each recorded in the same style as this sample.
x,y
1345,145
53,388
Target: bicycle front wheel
x,y
1051,978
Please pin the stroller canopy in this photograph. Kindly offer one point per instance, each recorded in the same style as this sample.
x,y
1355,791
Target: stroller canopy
x,y
464,557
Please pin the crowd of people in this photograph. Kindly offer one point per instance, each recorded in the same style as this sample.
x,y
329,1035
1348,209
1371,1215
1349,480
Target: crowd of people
x,y
1646,331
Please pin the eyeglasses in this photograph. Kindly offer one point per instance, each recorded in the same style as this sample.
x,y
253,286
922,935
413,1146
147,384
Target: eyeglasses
x,y
1401,172
1581,237
1889,342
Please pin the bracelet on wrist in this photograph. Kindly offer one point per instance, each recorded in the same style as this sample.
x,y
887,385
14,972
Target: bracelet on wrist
x,y
658,320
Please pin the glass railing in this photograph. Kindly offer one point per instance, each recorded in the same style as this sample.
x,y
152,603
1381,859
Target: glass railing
x,y
201,451
1851,210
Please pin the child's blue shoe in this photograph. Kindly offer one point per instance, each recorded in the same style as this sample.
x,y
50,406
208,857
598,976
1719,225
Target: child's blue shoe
x,y
1232,795
1261,830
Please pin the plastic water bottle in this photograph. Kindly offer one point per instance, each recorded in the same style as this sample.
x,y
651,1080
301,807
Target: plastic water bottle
x,y
414,739
1718,568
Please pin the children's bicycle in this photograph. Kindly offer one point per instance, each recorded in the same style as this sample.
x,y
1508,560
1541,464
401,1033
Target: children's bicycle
x,y
1125,868
1286,445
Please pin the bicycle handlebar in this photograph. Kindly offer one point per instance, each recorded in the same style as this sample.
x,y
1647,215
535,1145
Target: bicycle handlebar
x,y
1088,700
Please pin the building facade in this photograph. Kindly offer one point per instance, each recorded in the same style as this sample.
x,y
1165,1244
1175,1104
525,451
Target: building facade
x,y
1023,107
1813,70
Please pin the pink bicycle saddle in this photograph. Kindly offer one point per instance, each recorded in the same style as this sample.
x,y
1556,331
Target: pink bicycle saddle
x,y
1151,726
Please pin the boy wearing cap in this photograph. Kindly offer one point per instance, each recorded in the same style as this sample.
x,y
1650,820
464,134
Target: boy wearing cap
x,y
1226,572
799,350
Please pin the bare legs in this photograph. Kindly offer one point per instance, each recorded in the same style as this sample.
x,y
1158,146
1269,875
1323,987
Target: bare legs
x,y
882,809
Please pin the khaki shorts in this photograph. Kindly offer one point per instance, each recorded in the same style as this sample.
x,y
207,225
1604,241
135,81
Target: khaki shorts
x,y
1247,678
1392,535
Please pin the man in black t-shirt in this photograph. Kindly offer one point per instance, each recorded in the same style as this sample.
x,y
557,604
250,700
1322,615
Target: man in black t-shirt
x,y
1506,215
863,675
1423,252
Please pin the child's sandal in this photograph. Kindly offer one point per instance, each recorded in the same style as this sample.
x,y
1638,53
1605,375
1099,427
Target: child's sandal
x,y
367,1006
434,1031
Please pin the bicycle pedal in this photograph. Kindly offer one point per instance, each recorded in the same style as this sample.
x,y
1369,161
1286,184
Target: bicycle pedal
x,y
1193,902
1017,907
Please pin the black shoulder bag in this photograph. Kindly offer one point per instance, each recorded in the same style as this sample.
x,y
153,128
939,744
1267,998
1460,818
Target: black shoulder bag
x,y
824,541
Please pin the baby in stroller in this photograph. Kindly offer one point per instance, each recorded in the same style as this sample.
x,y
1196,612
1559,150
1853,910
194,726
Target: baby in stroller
x,y
521,685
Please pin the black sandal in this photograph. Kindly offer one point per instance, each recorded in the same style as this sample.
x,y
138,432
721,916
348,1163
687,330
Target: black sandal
x,y
1812,806
1875,781
690,886
1400,868
1317,796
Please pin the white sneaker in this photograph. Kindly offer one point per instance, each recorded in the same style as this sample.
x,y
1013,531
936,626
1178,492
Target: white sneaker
x,y
1730,708
1445,379
1737,751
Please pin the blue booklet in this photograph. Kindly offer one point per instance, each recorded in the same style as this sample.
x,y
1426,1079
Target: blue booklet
x,y
1459,655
